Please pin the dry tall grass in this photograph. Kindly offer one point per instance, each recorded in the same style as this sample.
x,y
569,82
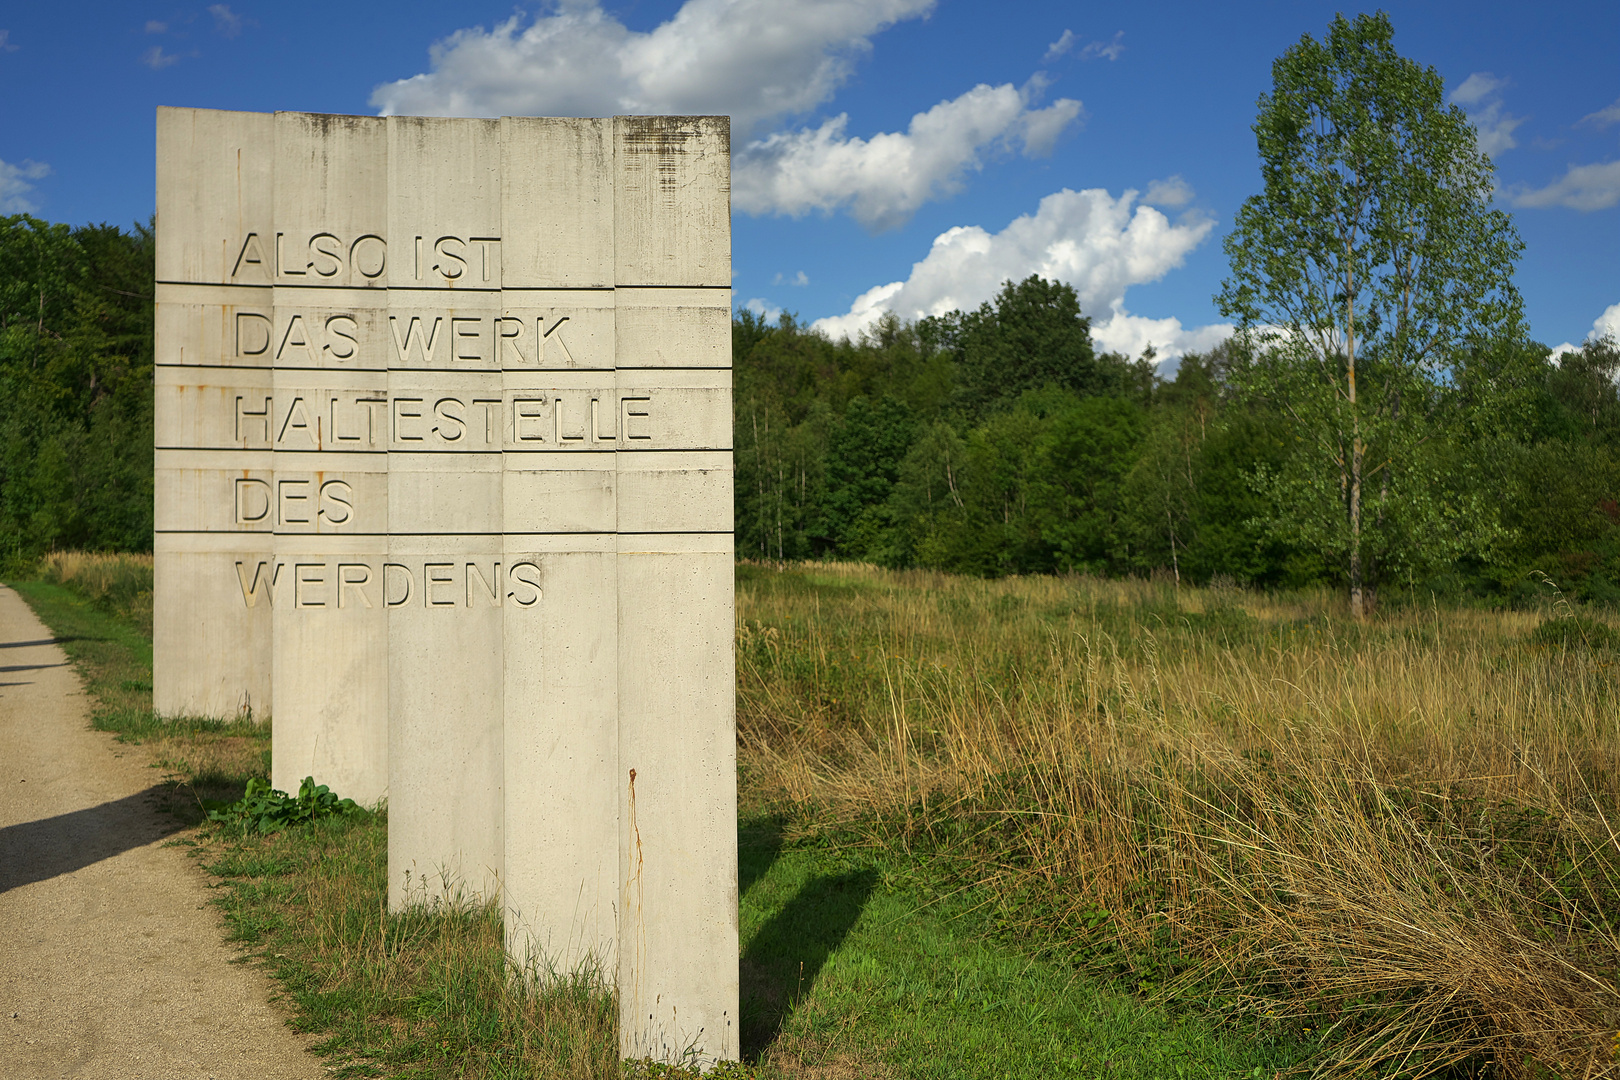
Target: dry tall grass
x,y
1399,831
119,583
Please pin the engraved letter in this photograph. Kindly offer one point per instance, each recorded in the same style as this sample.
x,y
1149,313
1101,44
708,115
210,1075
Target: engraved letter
x,y
281,269
250,255
301,577
452,264
292,502
509,335
492,585
528,575
527,411
466,339
389,578
328,254
252,333
371,259
252,500
431,577
555,349
373,407
258,421
447,410
354,576
262,583
558,421
297,421
422,340
596,420
402,414
490,262
491,407
296,337
341,328
336,502
635,408
337,428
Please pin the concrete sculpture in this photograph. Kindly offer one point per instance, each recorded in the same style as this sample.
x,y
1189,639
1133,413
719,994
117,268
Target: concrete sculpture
x,y
444,484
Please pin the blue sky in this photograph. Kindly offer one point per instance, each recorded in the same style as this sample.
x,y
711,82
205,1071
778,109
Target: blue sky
x,y
900,154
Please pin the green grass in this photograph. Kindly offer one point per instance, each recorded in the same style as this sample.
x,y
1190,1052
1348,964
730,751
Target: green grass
x,y
113,657
1260,816
852,966
204,762
857,962
849,970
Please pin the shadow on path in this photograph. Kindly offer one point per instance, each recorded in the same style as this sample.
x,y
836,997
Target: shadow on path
x,y
41,641
40,850
31,667
782,962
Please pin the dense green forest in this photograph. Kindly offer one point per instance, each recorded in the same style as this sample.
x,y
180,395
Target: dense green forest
x,y
990,442
75,388
1001,441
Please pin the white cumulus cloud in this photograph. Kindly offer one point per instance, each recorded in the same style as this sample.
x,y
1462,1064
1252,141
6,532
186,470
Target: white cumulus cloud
x,y
16,182
156,59
764,309
756,60
226,21
1609,114
1583,187
1171,191
1131,335
1605,325
885,178
1480,95
1062,45
1099,244
1108,50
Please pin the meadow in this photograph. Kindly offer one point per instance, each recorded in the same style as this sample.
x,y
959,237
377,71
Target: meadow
x,y
1391,838
1033,827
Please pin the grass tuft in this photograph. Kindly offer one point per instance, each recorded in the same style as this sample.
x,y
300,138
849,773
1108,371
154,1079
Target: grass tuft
x,y
1393,837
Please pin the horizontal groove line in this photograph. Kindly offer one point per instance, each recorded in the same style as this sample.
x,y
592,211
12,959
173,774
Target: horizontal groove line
x,y
458,371
440,453
369,535
432,288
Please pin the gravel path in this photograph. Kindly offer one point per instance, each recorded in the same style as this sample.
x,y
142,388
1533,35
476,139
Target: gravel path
x,y
112,961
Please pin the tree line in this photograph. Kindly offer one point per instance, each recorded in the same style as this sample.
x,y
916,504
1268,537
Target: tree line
x,y
1380,420
995,441
75,388
1001,441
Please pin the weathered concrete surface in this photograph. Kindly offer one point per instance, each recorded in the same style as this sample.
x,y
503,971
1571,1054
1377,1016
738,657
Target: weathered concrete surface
x,y
444,446
112,964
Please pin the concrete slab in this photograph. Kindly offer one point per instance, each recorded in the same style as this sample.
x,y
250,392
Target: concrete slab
x,y
444,438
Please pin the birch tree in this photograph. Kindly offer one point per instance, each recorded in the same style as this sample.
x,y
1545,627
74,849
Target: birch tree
x,y
1372,284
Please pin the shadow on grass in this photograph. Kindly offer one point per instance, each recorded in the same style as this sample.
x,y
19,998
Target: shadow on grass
x,y
759,845
782,962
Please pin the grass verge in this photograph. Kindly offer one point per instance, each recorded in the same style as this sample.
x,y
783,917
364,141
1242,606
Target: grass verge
x,y
849,970
1393,838
205,762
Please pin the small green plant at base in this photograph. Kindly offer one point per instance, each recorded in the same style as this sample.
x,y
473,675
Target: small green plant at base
x,y
263,809
647,1069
